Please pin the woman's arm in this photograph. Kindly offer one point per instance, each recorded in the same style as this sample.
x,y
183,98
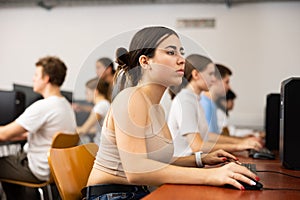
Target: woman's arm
x,y
139,169
213,158
88,124
235,143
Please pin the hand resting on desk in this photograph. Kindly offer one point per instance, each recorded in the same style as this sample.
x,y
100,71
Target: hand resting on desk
x,y
216,157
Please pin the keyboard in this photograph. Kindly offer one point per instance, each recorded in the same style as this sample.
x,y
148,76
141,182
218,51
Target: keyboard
x,y
9,149
250,166
264,153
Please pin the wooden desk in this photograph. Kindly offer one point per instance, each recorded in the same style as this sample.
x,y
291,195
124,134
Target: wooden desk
x,y
269,180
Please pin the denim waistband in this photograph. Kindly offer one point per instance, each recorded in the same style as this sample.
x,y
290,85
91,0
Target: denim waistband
x,y
98,190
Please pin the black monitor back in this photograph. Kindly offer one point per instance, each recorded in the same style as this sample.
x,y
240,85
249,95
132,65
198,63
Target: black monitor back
x,y
68,95
30,95
272,121
289,147
12,104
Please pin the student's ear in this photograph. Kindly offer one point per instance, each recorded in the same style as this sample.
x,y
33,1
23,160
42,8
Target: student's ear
x,y
144,61
96,92
46,78
195,74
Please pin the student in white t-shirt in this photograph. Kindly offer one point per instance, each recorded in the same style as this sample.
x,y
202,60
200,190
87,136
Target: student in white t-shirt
x,y
97,91
187,122
38,123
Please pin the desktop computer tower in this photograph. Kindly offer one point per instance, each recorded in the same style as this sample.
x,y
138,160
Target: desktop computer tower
x,y
272,121
12,104
290,123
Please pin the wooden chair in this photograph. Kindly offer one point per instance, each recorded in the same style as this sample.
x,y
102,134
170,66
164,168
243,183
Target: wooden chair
x,y
60,140
65,140
70,168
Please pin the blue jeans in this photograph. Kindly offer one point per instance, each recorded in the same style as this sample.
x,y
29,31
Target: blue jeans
x,y
120,196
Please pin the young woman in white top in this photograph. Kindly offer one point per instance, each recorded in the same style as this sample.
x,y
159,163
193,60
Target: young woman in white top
x,y
97,91
136,145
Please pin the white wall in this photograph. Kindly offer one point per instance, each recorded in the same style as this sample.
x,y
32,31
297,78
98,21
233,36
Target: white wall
x,y
259,42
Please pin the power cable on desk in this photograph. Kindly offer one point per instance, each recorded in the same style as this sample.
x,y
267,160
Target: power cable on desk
x,y
269,171
276,172
291,189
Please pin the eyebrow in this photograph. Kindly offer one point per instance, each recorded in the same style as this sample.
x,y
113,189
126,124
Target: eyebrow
x,y
174,47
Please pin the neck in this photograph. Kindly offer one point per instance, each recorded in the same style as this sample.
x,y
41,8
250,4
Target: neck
x,y
194,88
153,91
98,98
51,90
210,95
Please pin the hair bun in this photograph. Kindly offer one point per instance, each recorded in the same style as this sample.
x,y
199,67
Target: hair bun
x,y
122,57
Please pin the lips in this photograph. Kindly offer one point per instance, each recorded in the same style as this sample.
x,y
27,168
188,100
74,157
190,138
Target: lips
x,y
180,71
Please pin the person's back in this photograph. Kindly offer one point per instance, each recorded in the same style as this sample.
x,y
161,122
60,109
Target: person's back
x,y
50,115
186,116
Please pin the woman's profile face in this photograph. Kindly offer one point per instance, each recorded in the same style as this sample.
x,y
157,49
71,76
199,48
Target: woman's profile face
x,y
208,77
100,69
167,65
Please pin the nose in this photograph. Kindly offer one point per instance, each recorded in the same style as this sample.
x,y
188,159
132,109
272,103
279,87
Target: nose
x,y
181,59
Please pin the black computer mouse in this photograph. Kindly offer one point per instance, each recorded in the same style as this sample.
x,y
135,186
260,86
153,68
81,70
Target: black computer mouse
x,y
258,186
261,155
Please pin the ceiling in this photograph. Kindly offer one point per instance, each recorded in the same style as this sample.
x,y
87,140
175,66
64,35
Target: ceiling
x,y
49,4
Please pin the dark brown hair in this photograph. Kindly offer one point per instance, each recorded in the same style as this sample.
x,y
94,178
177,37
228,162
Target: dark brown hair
x,y
222,71
100,85
54,68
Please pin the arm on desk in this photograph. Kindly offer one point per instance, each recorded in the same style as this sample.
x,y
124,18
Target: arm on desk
x,y
10,131
141,170
213,158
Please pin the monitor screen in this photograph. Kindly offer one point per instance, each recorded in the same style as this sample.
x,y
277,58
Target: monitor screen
x,y
31,96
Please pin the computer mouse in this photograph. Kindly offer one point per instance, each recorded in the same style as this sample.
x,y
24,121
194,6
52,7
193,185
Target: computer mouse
x,y
261,155
258,186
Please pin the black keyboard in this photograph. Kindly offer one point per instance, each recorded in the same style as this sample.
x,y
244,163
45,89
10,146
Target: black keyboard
x,y
250,166
264,153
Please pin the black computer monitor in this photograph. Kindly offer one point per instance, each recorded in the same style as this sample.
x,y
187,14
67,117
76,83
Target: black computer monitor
x,y
12,104
31,96
272,121
68,95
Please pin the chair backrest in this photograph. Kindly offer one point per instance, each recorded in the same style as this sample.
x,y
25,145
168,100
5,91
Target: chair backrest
x,y
65,140
70,168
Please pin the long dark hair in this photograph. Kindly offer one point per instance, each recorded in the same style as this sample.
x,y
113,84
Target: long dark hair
x,y
144,42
